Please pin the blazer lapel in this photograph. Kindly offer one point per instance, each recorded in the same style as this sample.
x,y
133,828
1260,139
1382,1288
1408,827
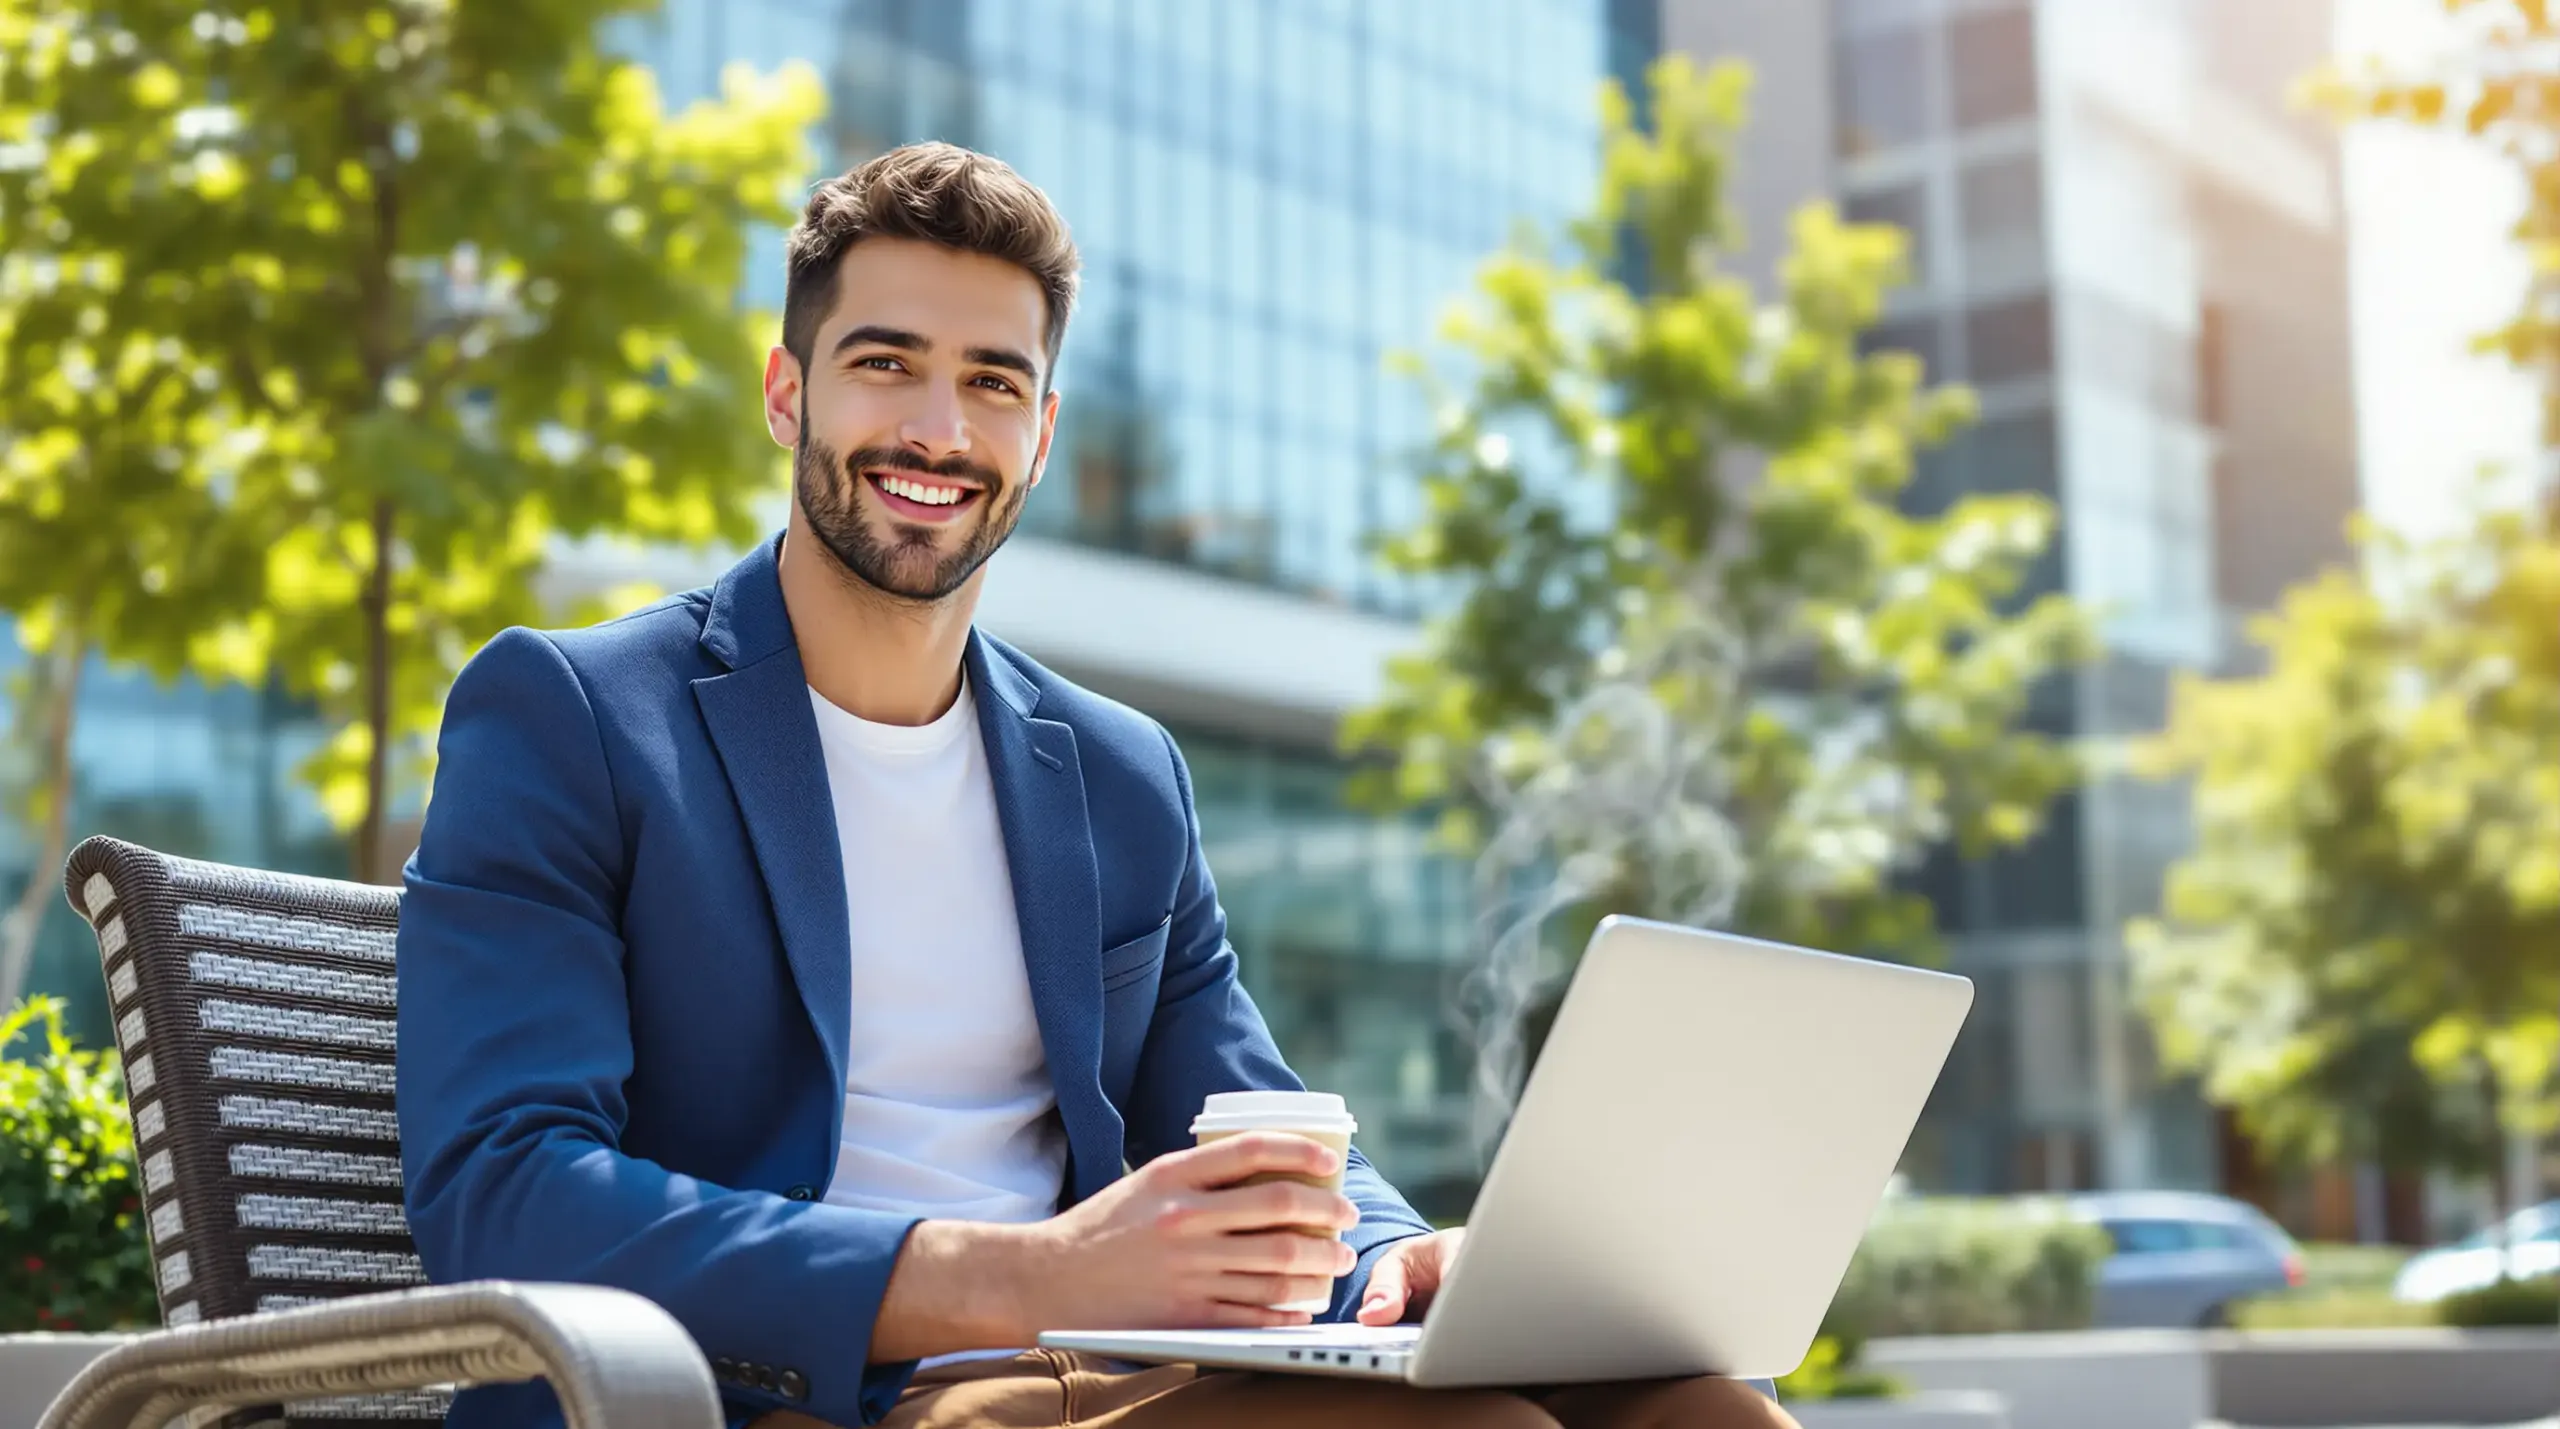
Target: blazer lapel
x,y
1048,843
761,724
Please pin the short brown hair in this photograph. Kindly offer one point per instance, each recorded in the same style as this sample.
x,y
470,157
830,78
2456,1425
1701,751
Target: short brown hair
x,y
936,193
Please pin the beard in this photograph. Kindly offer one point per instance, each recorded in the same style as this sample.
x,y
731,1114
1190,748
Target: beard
x,y
906,562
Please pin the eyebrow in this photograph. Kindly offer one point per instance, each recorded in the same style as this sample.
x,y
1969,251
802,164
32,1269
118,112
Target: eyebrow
x,y
876,335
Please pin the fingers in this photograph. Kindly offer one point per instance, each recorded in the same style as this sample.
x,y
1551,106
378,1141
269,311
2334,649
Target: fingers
x,y
1285,1253
1255,1153
1390,1289
1273,1289
1271,1205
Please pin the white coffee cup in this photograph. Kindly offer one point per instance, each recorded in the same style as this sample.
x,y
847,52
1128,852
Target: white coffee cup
x,y
1318,1116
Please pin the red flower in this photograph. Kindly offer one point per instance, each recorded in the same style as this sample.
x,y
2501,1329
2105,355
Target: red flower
x,y
35,1265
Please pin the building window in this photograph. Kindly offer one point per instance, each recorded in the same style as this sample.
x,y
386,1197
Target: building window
x,y
2039,884
1346,926
2166,368
2009,340
2211,327
2003,202
1903,206
1991,62
1884,90
1918,335
2016,452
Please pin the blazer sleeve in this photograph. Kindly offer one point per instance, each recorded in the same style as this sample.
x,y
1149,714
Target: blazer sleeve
x,y
1207,1036
515,1045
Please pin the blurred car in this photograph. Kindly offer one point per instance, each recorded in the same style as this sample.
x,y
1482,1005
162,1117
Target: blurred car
x,y
2182,1258
2532,1249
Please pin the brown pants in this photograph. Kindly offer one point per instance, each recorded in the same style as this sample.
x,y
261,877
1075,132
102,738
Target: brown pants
x,y
1051,1389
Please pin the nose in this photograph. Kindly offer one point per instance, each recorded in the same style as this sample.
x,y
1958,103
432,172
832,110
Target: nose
x,y
937,425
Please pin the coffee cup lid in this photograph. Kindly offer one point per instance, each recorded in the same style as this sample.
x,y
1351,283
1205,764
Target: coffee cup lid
x,y
1274,1111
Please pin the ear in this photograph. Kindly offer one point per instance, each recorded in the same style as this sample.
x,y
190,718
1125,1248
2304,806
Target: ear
x,y
1048,430
782,399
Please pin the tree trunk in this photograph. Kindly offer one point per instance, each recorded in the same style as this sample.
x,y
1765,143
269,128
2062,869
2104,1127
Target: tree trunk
x,y
377,700
18,929
2502,1187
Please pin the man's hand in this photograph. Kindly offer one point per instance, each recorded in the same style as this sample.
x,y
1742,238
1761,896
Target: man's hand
x,y
1178,1244
1407,1275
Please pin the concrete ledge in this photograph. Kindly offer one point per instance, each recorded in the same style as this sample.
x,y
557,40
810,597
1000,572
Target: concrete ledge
x,y
2297,1379
2288,1378
34,1368
2103,1379
1953,1410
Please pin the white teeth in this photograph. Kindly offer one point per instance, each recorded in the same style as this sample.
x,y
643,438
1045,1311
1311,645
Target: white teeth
x,y
921,494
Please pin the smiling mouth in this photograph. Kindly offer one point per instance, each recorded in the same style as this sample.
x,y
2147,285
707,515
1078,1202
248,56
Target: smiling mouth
x,y
922,498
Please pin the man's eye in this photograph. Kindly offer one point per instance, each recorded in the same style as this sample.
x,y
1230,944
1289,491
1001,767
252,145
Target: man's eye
x,y
998,384
879,363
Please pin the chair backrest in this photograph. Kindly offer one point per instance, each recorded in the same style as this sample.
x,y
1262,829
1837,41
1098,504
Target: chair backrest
x,y
255,1014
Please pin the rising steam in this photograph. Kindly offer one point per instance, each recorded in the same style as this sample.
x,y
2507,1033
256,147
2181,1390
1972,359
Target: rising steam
x,y
1622,797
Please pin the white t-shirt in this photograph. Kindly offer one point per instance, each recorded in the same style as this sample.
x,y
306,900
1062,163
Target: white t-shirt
x,y
949,1111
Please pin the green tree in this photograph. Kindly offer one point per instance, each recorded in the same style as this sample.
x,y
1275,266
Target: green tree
x,y
1697,659
112,487
2362,954
468,288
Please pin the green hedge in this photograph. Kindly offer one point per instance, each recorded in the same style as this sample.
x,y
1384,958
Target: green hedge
x,y
2508,1302
72,1251
1958,1266
2353,1308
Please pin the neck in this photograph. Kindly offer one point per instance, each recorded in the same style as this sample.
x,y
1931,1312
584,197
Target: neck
x,y
872,655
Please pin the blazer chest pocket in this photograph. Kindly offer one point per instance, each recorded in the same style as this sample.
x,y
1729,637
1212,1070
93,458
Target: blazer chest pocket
x,y
1130,962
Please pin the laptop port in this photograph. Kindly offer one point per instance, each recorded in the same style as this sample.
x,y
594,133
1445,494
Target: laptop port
x,y
1373,1361
1342,1356
1297,1354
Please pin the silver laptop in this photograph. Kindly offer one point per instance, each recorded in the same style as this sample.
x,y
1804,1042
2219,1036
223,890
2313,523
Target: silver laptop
x,y
1709,1129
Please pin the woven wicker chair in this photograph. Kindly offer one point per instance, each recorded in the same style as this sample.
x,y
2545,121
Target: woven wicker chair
x,y
255,1014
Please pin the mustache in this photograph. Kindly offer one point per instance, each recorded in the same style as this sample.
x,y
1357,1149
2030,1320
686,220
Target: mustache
x,y
959,468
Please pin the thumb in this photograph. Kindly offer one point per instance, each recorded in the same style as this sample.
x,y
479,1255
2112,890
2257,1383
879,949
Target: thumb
x,y
1389,1290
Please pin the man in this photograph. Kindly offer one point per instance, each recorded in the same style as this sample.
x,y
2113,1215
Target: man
x,y
797,956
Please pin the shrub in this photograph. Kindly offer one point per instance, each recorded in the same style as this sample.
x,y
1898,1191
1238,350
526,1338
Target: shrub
x,y
1827,1374
1951,1267
2508,1302
72,1251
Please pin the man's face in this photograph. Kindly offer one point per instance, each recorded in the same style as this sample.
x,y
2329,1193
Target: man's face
x,y
919,424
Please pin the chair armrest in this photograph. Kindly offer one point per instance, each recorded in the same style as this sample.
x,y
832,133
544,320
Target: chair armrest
x,y
617,1360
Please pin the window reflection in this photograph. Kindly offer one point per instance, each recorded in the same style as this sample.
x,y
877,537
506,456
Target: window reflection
x,y
2003,203
1883,90
1991,63
2009,340
1310,180
1904,206
1345,926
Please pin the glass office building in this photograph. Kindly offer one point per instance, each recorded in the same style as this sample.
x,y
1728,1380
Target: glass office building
x,y
1270,197
208,772
2131,249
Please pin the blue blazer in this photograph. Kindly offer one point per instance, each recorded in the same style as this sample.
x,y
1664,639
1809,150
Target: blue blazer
x,y
624,992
